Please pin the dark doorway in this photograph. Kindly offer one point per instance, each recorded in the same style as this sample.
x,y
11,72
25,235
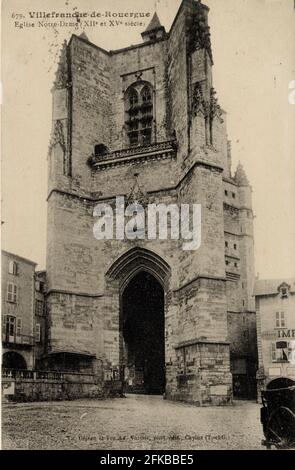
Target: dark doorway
x,y
143,335
13,360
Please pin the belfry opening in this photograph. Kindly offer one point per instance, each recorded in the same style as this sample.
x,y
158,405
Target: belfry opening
x,y
142,323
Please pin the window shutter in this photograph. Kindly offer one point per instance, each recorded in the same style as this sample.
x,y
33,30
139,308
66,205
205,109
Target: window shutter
x,y
273,352
9,292
14,268
37,333
291,352
18,326
14,293
4,322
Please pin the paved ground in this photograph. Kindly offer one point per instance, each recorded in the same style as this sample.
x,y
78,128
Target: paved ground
x,y
135,422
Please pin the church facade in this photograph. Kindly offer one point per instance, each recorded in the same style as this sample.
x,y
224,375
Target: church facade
x,y
145,120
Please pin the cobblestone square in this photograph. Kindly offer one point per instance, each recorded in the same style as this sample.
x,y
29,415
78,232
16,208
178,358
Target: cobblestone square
x,y
136,422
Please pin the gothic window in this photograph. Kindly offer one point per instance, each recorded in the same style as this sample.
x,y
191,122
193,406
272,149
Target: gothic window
x,y
133,97
146,94
139,114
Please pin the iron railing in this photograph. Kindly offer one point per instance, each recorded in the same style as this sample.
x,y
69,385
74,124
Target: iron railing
x,y
67,376
21,339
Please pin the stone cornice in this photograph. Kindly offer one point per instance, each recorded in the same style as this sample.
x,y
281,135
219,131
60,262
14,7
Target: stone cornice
x,y
232,276
157,151
230,207
78,294
200,341
232,257
233,234
230,181
91,198
197,278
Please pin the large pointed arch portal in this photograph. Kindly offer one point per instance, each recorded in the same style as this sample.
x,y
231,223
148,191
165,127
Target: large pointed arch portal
x,y
140,278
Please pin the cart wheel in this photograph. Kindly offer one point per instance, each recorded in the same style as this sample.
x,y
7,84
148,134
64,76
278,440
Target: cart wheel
x,y
281,427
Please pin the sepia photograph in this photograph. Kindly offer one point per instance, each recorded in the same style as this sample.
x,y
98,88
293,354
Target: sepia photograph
x,y
148,227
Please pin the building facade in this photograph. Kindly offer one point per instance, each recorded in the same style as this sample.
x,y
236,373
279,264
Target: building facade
x,y
275,307
17,312
24,322
144,122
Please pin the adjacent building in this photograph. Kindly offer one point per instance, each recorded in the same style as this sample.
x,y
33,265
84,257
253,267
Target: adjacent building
x,y
275,310
145,121
23,314
40,318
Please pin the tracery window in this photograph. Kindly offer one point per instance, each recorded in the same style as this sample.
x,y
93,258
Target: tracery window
x,y
139,113
133,97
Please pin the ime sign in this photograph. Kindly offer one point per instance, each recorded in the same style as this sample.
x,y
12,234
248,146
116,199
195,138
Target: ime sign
x,y
286,333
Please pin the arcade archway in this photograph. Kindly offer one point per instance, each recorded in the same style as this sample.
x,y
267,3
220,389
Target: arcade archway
x,y
13,360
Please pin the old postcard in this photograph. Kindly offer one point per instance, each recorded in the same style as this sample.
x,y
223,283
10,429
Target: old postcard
x,y
148,226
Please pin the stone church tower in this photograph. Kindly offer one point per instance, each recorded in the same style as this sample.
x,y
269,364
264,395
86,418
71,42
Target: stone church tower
x,y
145,120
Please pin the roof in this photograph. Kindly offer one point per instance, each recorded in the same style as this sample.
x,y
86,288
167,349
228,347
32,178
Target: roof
x,y
20,258
153,24
84,36
271,286
240,176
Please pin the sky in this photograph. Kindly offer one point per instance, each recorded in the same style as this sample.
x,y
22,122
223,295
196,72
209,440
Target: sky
x,y
254,62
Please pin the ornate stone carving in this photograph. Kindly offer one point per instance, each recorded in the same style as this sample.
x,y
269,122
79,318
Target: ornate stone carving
x,y
240,176
136,195
232,210
62,73
132,155
215,109
199,31
198,105
57,136
138,75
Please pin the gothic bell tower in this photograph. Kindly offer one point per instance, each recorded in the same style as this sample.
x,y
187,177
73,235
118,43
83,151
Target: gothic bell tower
x,y
148,110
